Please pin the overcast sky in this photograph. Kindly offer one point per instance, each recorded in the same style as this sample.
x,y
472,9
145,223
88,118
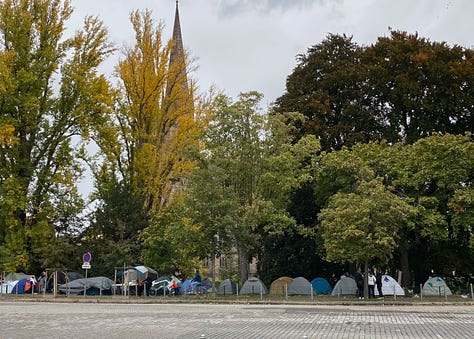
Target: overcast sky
x,y
242,45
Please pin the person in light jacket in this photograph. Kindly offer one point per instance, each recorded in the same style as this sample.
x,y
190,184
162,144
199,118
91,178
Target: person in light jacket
x,y
371,281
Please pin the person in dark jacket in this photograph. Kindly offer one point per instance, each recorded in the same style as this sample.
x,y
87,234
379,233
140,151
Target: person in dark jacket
x,y
359,279
378,282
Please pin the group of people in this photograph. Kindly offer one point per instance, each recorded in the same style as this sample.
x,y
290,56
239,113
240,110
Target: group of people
x,y
372,282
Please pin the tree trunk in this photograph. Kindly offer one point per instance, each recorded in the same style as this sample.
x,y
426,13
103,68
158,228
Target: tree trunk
x,y
366,280
243,264
405,266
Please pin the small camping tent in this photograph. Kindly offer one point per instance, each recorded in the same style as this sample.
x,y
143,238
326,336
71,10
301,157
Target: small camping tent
x,y
18,283
13,276
138,274
227,287
7,286
321,286
300,286
164,285
206,286
435,286
280,286
390,286
23,286
253,285
345,286
189,286
93,286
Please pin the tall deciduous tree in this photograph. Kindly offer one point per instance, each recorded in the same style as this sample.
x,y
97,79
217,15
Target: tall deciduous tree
x,y
327,87
436,173
226,187
247,168
418,87
159,113
434,176
50,92
145,145
402,88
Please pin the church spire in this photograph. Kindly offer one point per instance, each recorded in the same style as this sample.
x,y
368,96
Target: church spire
x,y
177,52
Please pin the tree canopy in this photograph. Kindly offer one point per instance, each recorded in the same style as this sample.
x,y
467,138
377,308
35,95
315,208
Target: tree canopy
x,y
367,157
146,146
50,96
402,88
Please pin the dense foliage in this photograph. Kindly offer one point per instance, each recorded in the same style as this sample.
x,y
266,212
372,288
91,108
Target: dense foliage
x,y
402,88
51,97
366,159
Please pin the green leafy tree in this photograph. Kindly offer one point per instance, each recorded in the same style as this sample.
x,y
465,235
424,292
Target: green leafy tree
x,y
433,176
51,94
327,87
363,227
247,168
402,88
435,172
418,87
174,243
225,189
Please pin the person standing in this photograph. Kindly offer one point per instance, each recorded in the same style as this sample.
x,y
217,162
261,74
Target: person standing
x,y
196,283
371,280
333,280
359,279
378,282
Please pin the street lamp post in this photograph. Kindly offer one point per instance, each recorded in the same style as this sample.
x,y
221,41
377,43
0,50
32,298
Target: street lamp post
x,y
216,238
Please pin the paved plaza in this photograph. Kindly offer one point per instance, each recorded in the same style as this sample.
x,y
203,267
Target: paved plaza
x,y
195,321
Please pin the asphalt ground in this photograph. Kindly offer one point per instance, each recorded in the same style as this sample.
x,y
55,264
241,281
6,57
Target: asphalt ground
x,y
95,319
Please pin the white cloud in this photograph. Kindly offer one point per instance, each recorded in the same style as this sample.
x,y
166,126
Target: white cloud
x,y
239,7
243,45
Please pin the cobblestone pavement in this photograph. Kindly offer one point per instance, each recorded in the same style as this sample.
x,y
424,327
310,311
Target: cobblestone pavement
x,y
196,321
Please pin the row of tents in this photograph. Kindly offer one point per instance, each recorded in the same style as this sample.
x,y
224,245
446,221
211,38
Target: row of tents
x,y
434,286
74,283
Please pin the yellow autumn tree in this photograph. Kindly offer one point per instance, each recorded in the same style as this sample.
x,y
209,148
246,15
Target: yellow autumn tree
x,y
146,148
159,114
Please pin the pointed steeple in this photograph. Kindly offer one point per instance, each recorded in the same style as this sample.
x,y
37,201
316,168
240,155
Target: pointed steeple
x,y
177,57
177,52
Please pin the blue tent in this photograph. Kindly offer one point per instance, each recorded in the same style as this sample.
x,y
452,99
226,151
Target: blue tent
x,y
321,286
189,286
23,286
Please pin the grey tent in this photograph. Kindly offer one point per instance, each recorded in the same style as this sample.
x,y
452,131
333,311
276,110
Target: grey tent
x,y
253,286
93,286
436,286
345,286
227,287
13,276
300,286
